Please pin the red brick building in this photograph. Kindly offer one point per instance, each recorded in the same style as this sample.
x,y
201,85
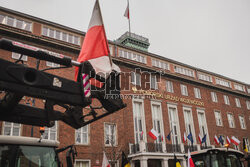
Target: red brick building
x,y
160,93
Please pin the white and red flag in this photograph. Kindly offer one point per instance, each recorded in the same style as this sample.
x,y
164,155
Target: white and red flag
x,y
200,138
153,134
216,140
184,139
105,162
190,160
235,141
228,140
126,14
95,45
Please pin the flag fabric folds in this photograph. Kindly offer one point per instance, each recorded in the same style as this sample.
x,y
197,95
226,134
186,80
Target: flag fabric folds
x,y
126,14
190,137
125,161
245,145
176,162
216,140
235,141
190,160
105,162
204,139
95,46
169,136
221,140
184,139
228,140
153,134
200,139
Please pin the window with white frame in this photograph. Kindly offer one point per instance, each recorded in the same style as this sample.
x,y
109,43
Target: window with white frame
x,y
248,104
203,124
59,35
197,93
139,120
214,97
174,123
237,102
16,22
153,82
189,125
242,122
169,86
110,134
226,100
82,163
51,133
82,135
132,56
136,78
184,71
230,118
52,64
11,129
18,55
223,82
239,87
160,64
157,120
204,77
248,90
184,90
247,143
218,118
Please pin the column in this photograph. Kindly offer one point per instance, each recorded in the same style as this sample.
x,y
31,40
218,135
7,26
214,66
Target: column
x,y
164,162
144,162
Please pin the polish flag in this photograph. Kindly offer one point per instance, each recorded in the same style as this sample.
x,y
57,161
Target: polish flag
x,y
190,160
105,162
126,14
200,138
153,134
228,140
216,140
235,141
184,137
95,46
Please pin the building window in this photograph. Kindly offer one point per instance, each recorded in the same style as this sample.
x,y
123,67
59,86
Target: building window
x,y
237,102
242,122
218,118
135,78
160,64
169,86
51,133
157,120
214,97
132,56
189,125
18,55
139,120
230,120
197,93
82,163
16,22
82,135
226,100
247,143
248,104
184,90
153,82
223,82
11,129
184,71
110,134
63,36
174,124
204,77
203,125
239,87
52,64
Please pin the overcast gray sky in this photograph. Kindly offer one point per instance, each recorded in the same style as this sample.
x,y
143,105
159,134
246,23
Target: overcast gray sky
x,y
213,35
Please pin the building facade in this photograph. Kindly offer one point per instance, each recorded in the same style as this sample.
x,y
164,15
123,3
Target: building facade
x,y
161,94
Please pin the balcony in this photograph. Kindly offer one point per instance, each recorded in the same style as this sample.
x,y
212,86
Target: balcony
x,y
173,148
154,147
191,148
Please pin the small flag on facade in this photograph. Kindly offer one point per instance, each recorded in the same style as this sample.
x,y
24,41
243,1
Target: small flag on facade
x,y
153,134
216,140
105,162
204,139
169,136
221,140
235,141
190,160
125,161
245,145
177,162
184,137
200,139
190,137
126,14
228,140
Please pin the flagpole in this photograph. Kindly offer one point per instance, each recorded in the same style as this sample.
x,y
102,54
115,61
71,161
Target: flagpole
x,y
129,20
